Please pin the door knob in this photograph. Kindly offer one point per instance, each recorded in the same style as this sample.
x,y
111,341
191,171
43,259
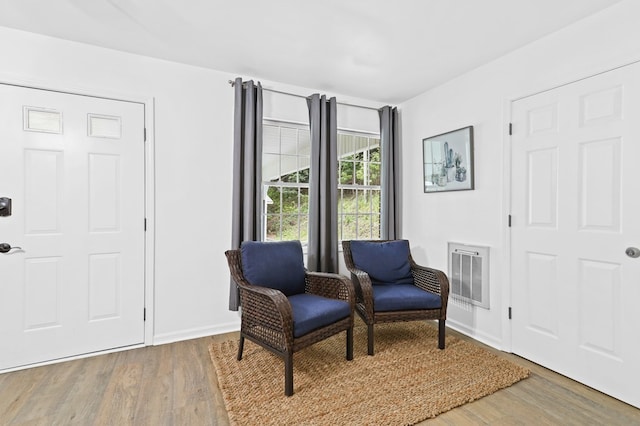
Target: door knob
x,y
6,248
632,252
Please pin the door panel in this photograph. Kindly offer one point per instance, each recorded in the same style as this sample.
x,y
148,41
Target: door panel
x,y
575,210
74,168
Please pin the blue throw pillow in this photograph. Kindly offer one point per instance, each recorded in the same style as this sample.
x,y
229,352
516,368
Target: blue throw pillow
x,y
386,262
277,264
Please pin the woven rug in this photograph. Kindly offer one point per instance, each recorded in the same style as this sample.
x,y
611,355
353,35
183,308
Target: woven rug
x,y
407,380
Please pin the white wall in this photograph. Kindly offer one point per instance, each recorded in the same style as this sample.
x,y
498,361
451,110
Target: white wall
x,y
193,152
482,98
193,162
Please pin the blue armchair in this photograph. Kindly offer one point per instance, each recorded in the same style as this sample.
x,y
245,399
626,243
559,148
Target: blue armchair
x,y
284,307
391,287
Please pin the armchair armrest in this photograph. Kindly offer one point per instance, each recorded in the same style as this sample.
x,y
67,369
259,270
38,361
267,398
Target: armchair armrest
x,y
363,289
334,286
432,280
429,279
267,312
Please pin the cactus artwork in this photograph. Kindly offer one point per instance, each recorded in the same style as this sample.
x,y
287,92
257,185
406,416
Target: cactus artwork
x,y
448,161
448,154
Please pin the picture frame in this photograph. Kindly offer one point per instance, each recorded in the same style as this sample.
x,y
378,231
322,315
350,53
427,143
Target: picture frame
x,y
448,161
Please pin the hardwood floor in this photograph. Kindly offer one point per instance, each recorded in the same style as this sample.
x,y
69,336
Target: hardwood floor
x,y
176,384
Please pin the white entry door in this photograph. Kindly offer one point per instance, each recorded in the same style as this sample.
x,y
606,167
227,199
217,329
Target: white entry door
x,y
575,210
73,167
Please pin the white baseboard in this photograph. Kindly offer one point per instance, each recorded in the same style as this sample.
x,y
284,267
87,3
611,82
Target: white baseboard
x,y
194,333
70,358
475,334
159,339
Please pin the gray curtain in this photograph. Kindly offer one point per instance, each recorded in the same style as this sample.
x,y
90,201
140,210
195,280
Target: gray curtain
x,y
247,170
390,197
322,253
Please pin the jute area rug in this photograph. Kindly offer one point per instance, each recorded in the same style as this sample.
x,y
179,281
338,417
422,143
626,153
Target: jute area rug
x,y
407,380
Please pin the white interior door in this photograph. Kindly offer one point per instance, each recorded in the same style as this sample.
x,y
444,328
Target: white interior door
x,y
73,167
575,210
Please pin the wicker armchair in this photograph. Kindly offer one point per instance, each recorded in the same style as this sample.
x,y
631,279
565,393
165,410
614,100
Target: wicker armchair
x,y
417,293
284,307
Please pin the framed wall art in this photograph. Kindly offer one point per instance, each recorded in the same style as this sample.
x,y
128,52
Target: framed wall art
x,y
448,161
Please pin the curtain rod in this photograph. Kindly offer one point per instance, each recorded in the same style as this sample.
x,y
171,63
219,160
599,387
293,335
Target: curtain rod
x,y
232,83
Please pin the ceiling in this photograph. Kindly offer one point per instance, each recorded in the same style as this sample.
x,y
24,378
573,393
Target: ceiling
x,y
379,50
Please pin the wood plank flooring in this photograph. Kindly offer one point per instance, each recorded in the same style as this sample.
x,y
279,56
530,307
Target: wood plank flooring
x,y
176,384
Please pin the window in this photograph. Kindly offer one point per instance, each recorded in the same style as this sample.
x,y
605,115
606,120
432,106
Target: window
x,y
285,174
358,186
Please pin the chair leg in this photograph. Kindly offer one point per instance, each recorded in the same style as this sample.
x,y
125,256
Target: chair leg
x,y
349,344
370,339
240,347
441,334
288,374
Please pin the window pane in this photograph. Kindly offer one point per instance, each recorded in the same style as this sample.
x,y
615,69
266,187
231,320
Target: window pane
x,y
289,168
290,227
364,227
270,139
289,200
303,168
273,228
304,201
347,201
360,172
104,126
304,229
374,174
273,200
375,226
361,143
364,201
304,142
348,226
288,141
270,167
346,172
375,201
346,147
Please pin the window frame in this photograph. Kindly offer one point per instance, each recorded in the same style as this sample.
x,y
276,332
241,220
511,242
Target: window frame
x,y
370,212
302,217
361,187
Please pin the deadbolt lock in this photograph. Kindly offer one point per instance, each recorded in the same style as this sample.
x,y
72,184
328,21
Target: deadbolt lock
x,y
632,252
5,206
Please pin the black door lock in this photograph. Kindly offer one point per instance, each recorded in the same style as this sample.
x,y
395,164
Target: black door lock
x,y
5,206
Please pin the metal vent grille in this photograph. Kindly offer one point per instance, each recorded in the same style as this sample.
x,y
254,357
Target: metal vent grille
x,y
469,273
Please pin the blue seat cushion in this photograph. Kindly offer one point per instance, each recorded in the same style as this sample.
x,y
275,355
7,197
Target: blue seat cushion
x,y
403,297
274,264
386,262
311,312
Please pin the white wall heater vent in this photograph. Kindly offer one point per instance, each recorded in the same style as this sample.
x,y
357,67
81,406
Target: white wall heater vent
x,y
469,274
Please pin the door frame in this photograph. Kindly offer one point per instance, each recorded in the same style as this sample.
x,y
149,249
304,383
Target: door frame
x,y
507,273
149,194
